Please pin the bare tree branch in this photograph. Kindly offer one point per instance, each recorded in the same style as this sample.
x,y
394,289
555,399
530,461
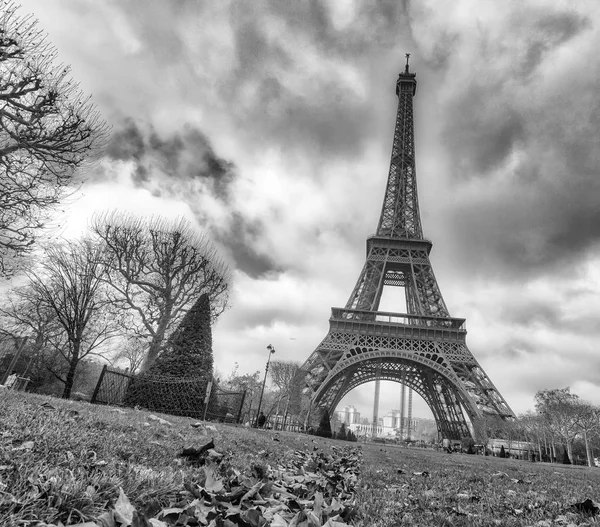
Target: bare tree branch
x,y
68,282
157,269
48,129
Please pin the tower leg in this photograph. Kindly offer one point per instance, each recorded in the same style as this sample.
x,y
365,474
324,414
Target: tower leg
x,y
402,405
376,406
409,423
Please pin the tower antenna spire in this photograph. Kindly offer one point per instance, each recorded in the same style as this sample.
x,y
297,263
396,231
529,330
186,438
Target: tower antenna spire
x,y
407,55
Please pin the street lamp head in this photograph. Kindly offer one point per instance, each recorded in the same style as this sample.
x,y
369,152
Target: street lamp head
x,y
271,348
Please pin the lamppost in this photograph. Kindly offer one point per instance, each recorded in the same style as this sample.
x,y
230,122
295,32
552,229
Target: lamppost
x,y
271,351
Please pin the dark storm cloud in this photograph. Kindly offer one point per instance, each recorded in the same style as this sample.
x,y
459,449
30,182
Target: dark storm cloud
x,y
526,311
126,143
485,122
544,32
240,236
322,114
530,145
481,140
167,164
183,156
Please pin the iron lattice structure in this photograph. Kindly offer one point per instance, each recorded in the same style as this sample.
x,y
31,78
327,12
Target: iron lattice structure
x,y
424,349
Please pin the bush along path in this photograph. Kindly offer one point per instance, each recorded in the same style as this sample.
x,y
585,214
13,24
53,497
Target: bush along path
x,y
304,489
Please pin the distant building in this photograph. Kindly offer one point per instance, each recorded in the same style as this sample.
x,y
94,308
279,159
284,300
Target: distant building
x,y
392,420
389,427
348,415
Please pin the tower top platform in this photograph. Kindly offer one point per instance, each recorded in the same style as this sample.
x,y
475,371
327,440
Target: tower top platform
x,y
406,80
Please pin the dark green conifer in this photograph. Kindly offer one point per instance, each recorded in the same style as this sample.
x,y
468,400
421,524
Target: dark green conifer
x,y
187,355
188,352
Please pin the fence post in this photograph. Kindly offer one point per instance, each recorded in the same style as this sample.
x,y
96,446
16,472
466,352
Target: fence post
x,y
239,415
14,360
97,389
207,398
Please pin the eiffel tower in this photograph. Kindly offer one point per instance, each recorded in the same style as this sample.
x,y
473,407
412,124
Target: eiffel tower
x,y
424,349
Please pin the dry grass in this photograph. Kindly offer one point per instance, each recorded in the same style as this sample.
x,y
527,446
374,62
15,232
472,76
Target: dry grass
x,y
67,463
460,489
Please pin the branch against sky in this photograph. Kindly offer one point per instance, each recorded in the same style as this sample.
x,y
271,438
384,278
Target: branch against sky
x,y
69,283
558,409
133,351
283,373
157,269
48,129
23,315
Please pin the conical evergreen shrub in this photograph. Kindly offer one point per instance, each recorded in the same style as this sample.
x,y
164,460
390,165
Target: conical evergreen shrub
x,y
187,355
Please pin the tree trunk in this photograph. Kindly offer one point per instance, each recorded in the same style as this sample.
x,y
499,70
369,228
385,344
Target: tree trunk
x,y
276,424
155,345
570,451
588,450
71,375
287,407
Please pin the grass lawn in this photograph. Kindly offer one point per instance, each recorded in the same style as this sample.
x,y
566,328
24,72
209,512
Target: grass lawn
x,y
404,486
72,463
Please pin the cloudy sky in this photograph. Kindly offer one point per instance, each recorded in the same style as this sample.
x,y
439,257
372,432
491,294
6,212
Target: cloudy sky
x,y
269,124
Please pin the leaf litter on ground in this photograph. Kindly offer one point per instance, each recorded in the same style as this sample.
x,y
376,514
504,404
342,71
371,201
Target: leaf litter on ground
x,y
305,489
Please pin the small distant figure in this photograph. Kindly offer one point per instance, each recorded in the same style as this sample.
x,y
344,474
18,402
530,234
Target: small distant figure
x,y
261,420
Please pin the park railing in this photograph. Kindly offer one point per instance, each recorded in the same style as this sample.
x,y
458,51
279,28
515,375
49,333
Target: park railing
x,y
175,396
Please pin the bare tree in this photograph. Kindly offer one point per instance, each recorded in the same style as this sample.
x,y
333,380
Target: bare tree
x,y
69,283
22,315
587,420
557,407
285,375
157,269
534,428
48,128
133,351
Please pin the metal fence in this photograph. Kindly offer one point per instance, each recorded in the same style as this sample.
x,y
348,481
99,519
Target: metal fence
x,y
14,382
168,395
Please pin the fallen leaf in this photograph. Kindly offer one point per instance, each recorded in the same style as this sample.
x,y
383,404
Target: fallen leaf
x,y
124,509
212,483
159,420
196,452
278,521
107,519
